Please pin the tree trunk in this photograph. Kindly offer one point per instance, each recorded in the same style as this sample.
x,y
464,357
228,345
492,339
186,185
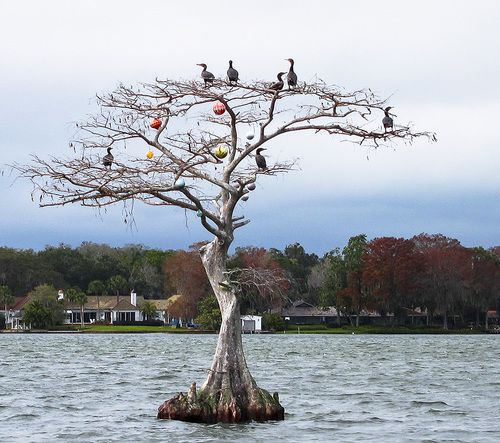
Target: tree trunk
x,y
229,394
445,319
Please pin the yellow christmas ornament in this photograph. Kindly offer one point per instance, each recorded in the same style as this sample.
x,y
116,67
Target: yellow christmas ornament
x,y
149,154
221,151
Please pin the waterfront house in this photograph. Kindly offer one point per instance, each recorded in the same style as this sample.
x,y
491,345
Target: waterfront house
x,y
16,312
303,313
111,309
163,308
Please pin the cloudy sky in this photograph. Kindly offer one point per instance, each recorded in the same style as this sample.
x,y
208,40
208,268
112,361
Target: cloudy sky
x,y
438,61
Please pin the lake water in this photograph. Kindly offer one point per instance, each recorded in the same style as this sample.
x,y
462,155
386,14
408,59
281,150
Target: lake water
x,y
391,388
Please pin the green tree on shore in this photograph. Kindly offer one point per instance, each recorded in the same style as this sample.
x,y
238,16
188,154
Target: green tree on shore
x,y
44,310
210,317
97,288
147,309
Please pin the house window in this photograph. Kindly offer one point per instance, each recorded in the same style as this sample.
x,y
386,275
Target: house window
x,y
127,316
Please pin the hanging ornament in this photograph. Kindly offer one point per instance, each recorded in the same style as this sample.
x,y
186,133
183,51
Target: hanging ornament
x,y
199,213
179,183
225,285
221,151
149,154
219,108
156,123
244,198
250,135
251,186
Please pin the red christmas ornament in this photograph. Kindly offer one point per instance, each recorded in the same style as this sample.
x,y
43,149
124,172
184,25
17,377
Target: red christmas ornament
x,y
156,123
219,108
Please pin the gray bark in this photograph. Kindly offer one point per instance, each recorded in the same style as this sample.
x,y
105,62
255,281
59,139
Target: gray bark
x,y
229,394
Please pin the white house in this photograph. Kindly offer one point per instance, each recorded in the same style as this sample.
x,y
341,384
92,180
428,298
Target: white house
x,y
108,308
251,324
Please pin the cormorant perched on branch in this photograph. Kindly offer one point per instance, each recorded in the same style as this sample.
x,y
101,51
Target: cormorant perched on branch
x,y
232,74
107,160
205,75
387,121
260,160
278,86
291,78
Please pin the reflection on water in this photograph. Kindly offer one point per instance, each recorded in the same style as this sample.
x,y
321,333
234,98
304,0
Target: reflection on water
x,y
82,387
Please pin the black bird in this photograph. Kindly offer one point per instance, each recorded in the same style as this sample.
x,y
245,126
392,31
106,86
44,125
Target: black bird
x,y
278,86
107,160
232,74
208,77
387,121
260,160
291,78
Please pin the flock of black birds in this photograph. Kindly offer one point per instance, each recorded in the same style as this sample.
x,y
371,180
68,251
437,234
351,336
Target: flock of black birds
x,y
233,77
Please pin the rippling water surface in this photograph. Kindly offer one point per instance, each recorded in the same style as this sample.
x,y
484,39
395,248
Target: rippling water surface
x,y
95,388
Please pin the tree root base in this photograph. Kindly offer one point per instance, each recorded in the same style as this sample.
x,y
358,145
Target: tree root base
x,y
212,408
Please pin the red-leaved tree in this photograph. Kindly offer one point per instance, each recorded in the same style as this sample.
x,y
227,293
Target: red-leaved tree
x,y
391,272
185,274
447,267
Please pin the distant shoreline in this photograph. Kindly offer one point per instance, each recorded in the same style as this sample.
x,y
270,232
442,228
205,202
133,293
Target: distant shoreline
x,y
43,331
309,332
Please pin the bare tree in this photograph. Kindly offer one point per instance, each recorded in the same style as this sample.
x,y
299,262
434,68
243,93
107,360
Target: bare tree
x,y
187,170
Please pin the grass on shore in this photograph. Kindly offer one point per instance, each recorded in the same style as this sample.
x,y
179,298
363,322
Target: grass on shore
x,y
292,329
113,328
376,329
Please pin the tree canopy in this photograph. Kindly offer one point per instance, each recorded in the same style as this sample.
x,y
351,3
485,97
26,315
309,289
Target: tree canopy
x,y
44,309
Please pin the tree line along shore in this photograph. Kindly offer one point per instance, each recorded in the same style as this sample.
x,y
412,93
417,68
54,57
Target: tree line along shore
x,y
454,286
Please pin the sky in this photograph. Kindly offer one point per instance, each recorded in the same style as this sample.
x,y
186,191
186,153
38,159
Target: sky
x,y
436,61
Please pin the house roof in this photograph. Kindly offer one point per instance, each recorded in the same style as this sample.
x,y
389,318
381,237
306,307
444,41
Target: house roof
x,y
20,302
107,302
161,305
303,309
251,317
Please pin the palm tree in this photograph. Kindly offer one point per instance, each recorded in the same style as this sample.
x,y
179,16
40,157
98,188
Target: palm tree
x,y
147,309
81,299
116,284
97,287
6,299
